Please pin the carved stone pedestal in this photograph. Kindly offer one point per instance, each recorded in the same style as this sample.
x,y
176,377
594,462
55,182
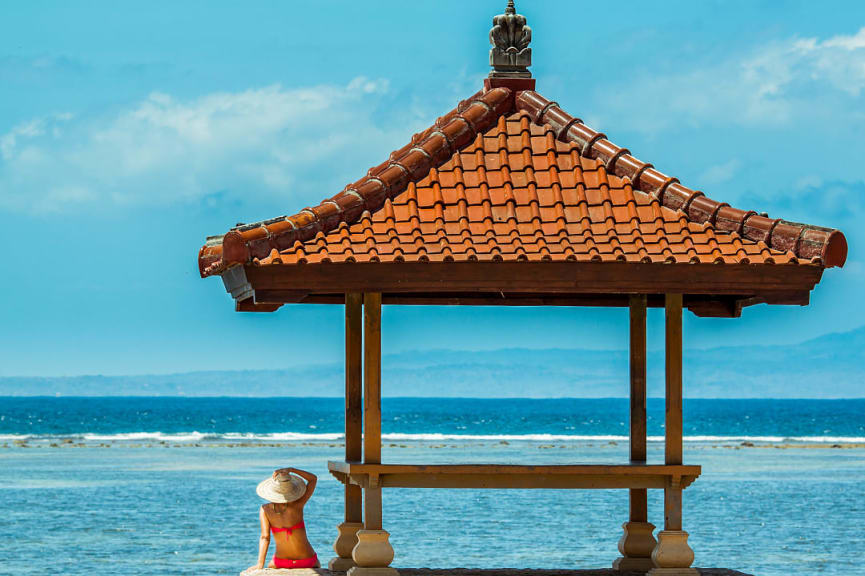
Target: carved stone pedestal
x,y
372,554
338,564
344,545
373,571
672,555
636,547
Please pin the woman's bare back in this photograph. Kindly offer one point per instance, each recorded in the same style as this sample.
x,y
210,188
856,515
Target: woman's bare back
x,y
291,543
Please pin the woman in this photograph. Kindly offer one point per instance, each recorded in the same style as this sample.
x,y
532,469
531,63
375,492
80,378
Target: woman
x,y
287,495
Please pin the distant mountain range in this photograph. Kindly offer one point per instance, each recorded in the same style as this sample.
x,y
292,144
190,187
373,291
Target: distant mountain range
x,y
832,366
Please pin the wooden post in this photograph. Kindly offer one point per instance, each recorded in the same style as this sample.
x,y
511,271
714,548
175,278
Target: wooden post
x,y
638,507
673,556
372,402
372,378
346,538
353,399
673,411
637,542
673,508
373,552
673,357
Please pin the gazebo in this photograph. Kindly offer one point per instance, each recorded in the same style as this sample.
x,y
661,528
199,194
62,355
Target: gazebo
x,y
507,200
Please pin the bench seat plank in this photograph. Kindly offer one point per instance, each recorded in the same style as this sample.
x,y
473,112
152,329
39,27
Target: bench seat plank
x,y
565,476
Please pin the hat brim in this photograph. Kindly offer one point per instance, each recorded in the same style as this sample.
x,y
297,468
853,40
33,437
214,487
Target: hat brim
x,y
267,490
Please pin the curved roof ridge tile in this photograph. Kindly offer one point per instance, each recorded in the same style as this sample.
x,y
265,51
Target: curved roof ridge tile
x,y
426,150
807,241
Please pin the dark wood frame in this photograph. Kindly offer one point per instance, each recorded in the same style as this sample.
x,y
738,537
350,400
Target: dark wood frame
x,y
363,412
707,289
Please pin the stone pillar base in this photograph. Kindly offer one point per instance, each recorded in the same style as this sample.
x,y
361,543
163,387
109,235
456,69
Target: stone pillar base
x,y
636,546
635,565
338,564
344,545
377,571
372,554
672,555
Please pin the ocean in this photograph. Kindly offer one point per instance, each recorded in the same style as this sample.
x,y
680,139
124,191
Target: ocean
x,y
166,485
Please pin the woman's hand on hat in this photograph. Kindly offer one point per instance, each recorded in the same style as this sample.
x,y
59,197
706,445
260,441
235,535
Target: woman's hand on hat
x,y
281,470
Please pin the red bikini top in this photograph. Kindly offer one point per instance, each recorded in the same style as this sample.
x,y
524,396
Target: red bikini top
x,y
291,529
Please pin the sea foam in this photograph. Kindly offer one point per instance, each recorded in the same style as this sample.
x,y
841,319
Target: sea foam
x,y
194,436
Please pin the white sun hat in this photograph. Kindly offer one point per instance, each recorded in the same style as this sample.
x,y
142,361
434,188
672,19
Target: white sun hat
x,y
286,487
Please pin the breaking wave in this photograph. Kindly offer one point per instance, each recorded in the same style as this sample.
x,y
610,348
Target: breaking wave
x,y
185,437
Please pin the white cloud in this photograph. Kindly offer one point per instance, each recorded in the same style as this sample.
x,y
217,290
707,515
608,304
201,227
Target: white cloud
x,y
837,63
164,150
30,130
720,173
855,42
772,85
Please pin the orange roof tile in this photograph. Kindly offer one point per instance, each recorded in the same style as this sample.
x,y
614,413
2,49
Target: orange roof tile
x,y
508,176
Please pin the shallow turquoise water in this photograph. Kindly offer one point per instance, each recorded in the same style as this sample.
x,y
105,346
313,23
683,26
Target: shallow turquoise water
x,y
192,510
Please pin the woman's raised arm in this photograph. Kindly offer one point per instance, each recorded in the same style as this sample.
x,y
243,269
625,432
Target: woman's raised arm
x,y
310,478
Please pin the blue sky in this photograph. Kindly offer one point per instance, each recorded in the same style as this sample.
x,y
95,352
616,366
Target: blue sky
x,y
131,131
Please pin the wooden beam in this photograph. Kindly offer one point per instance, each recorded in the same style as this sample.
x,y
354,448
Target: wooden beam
x,y
673,362
672,508
588,476
516,469
353,399
719,308
714,306
372,514
498,482
637,439
249,305
534,277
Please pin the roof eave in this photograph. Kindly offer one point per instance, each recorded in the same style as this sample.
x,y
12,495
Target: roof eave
x,y
526,283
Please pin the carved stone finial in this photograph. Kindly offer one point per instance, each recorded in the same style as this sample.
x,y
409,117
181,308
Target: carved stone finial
x,y
510,55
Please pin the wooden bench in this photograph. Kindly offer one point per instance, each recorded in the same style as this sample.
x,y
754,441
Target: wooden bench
x,y
569,476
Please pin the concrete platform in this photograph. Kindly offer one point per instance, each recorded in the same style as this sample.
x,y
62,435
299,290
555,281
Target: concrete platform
x,y
476,572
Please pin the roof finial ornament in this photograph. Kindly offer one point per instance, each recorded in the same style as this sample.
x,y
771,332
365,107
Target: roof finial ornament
x,y
510,55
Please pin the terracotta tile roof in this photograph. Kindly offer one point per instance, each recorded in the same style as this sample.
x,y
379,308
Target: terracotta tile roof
x,y
822,246
508,176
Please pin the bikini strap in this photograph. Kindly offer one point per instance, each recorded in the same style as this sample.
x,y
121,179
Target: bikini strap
x,y
290,529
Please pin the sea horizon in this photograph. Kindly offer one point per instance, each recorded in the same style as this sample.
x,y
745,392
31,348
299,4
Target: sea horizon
x,y
426,398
